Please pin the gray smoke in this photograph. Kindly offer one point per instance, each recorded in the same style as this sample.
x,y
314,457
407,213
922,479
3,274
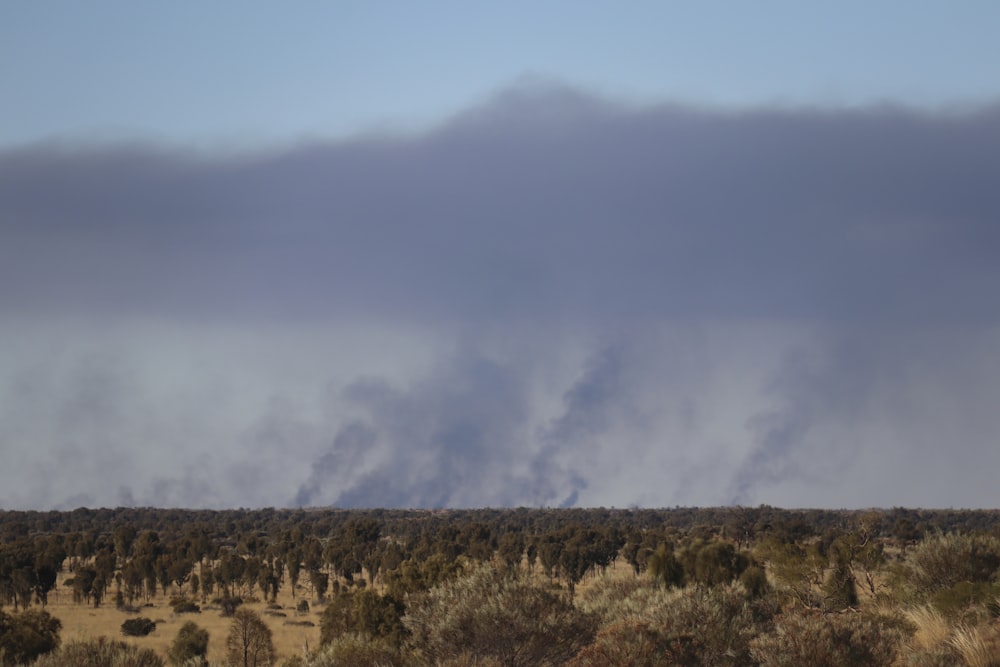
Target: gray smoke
x,y
550,299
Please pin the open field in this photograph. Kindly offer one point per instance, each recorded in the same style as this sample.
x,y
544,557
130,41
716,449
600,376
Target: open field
x,y
82,622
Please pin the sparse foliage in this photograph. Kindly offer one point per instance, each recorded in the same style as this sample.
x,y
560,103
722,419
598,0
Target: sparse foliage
x,y
249,643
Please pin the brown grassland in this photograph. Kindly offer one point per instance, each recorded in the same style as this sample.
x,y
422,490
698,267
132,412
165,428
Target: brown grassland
x,y
84,622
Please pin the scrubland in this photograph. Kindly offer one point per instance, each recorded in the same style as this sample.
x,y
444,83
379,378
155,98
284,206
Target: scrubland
x,y
723,586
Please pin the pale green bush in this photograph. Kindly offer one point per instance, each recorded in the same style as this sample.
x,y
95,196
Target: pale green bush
x,y
497,613
941,561
828,640
100,653
356,651
699,625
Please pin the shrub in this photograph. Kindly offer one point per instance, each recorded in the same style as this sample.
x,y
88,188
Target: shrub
x,y
942,656
302,607
190,646
713,563
606,596
827,640
25,636
100,653
941,561
700,625
636,643
720,622
353,649
184,606
840,589
754,580
501,614
138,627
955,601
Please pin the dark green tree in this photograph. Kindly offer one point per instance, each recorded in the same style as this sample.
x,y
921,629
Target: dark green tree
x,y
665,568
510,548
363,613
713,562
86,587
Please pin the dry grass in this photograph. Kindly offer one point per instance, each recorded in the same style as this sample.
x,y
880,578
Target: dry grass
x,y
975,649
81,622
933,629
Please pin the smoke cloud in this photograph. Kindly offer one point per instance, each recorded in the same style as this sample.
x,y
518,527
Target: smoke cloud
x,y
551,299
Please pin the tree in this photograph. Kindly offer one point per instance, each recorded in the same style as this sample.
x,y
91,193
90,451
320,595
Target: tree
x,y
293,563
713,563
510,548
797,570
249,643
941,561
665,567
190,644
320,582
179,570
124,537
365,614
48,562
23,582
840,589
86,586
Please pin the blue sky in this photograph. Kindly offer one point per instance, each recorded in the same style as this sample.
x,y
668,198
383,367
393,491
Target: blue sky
x,y
241,74
499,254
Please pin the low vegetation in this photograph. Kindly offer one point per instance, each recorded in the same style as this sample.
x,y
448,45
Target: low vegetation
x,y
719,586
138,627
